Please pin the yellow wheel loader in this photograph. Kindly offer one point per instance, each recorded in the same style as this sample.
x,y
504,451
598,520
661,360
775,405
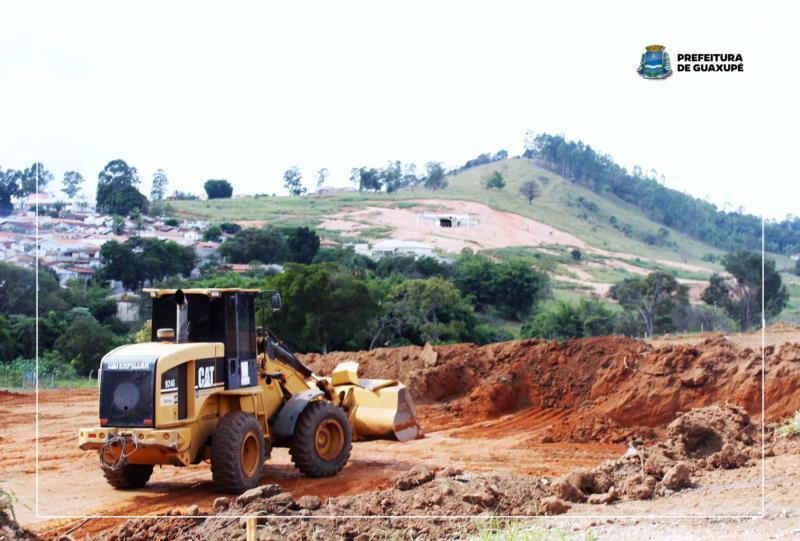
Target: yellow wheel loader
x,y
212,386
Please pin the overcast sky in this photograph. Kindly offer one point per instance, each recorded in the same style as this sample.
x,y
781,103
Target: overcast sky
x,y
243,90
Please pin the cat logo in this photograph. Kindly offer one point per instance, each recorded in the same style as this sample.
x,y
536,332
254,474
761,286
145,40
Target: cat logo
x,y
205,377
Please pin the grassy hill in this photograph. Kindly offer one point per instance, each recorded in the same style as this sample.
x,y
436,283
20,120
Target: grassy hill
x,y
562,205
622,232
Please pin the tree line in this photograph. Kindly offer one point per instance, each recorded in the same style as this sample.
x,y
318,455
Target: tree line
x,y
336,299
728,230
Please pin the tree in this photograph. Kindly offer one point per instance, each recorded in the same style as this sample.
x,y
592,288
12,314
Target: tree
x,y
119,170
346,258
116,189
230,228
117,224
513,287
322,310
494,181
18,290
302,244
434,310
473,275
402,265
9,187
212,234
366,179
95,297
7,344
266,245
72,183
34,178
529,190
516,288
576,255
797,267
218,189
138,221
293,181
652,298
562,320
410,178
741,298
84,343
435,178
322,176
392,176
144,259
159,188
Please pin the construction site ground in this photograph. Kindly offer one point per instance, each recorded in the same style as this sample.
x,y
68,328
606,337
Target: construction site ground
x,y
525,411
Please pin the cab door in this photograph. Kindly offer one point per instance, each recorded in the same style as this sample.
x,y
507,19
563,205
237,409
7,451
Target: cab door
x,y
240,342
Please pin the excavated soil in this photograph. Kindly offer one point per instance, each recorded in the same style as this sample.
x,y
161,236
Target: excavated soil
x,y
609,389
703,439
522,427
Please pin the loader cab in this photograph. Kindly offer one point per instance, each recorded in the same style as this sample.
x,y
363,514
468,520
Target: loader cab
x,y
225,316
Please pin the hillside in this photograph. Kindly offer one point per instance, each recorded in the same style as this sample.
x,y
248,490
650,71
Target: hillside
x,y
616,239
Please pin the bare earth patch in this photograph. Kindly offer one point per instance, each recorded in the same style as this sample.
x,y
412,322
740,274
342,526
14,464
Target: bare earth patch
x,y
496,229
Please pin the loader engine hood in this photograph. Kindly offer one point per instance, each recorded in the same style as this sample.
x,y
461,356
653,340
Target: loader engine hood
x,y
127,389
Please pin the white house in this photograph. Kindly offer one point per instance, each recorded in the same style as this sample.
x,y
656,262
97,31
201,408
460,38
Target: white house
x,y
394,247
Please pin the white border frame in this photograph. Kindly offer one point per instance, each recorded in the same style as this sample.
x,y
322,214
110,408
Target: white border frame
x,y
556,518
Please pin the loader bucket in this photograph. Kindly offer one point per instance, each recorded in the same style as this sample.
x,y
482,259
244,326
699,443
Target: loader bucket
x,y
377,408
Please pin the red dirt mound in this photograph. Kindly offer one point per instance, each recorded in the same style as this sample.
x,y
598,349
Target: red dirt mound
x,y
610,388
705,438
422,493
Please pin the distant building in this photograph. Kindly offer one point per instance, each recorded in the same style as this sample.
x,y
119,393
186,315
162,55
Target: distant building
x,y
127,308
65,274
396,247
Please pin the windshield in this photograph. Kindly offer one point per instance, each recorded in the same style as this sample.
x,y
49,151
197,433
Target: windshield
x,y
206,317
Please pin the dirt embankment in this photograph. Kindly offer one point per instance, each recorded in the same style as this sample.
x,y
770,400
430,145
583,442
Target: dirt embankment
x,y
706,438
608,389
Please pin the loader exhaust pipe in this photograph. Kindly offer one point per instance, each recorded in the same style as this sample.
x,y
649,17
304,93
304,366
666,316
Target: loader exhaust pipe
x,y
181,317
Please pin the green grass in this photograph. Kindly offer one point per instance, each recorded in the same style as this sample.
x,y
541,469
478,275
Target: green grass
x,y
792,310
375,232
8,500
494,530
676,272
607,274
573,296
792,427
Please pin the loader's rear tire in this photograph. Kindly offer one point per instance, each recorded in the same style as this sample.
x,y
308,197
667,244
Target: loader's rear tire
x,y
238,452
128,476
320,446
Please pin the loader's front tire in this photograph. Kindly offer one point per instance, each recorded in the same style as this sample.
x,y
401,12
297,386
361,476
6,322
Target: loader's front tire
x,y
238,452
128,476
320,446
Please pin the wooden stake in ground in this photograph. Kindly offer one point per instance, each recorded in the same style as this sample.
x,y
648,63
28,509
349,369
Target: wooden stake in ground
x,y
251,529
